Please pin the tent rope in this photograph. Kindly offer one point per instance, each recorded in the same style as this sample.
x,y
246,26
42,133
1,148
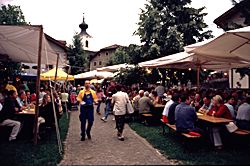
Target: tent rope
x,y
59,142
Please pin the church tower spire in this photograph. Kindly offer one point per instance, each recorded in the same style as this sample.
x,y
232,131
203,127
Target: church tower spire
x,y
84,27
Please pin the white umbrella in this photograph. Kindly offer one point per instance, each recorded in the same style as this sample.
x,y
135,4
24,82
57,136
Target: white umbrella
x,y
184,60
94,74
114,68
234,44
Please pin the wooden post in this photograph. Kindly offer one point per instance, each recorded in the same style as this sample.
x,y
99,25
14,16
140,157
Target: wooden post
x,y
66,82
198,77
232,78
57,60
38,84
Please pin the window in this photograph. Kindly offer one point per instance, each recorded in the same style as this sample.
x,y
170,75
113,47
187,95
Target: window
x,y
100,63
87,43
107,53
94,63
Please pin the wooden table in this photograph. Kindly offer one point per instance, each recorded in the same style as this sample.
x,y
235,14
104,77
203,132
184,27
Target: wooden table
x,y
159,106
212,119
157,112
27,112
26,117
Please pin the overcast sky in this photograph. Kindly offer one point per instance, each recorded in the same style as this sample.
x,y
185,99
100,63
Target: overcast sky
x,y
110,21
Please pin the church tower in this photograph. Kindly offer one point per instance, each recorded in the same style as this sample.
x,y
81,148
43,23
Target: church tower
x,y
86,38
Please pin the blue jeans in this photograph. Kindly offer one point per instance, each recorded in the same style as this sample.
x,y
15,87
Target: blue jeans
x,y
107,110
87,112
98,106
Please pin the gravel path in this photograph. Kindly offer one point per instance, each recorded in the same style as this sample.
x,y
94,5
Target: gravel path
x,y
105,149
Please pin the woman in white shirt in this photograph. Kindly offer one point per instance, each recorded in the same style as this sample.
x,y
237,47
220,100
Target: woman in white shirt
x,y
119,100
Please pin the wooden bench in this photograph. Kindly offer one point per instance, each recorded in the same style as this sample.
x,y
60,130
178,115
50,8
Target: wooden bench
x,y
146,118
173,127
242,132
147,115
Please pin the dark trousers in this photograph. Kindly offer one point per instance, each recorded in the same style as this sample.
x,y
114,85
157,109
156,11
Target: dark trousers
x,y
87,112
120,120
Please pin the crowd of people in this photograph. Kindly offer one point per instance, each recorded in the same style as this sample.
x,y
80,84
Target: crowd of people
x,y
181,105
15,99
229,104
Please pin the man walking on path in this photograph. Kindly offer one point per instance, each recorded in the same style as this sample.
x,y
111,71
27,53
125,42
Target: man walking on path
x,y
86,97
119,100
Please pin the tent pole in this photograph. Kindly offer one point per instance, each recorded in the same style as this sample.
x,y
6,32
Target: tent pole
x,y
35,129
232,78
66,82
198,77
59,142
57,60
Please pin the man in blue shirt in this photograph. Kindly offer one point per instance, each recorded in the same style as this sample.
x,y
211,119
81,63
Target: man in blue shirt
x,y
185,116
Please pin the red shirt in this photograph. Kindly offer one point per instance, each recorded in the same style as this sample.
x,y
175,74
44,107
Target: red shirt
x,y
221,112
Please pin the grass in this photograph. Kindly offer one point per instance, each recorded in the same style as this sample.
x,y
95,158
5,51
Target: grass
x,y
24,153
236,151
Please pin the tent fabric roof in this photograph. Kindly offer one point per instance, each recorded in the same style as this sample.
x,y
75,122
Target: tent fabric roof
x,y
184,60
114,68
61,75
21,44
94,74
234,44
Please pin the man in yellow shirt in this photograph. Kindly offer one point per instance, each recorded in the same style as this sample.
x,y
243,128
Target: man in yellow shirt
x,y
87,98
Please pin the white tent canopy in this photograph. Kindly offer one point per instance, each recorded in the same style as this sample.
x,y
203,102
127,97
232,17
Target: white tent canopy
x,y
234,44
21,44
114,68
28,44
184,60
94,74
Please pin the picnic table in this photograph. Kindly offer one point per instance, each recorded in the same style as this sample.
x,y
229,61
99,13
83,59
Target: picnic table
x,y
26,112
159,106
26,117
212,119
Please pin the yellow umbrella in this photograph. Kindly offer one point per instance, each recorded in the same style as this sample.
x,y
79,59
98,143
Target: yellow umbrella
x,y
10,87
93,81
61,75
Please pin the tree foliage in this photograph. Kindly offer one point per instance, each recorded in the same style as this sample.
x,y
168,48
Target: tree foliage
x,y
76,56
11,15
131,76
120,56
165,26
131,55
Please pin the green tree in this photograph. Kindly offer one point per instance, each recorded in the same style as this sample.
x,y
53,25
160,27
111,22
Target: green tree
x,y
131,76
12,15
76,56
153,76
135,54
165,26
131,55
120,56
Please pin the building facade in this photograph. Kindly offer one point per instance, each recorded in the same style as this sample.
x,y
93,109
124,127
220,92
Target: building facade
x,y
101,58
232,19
